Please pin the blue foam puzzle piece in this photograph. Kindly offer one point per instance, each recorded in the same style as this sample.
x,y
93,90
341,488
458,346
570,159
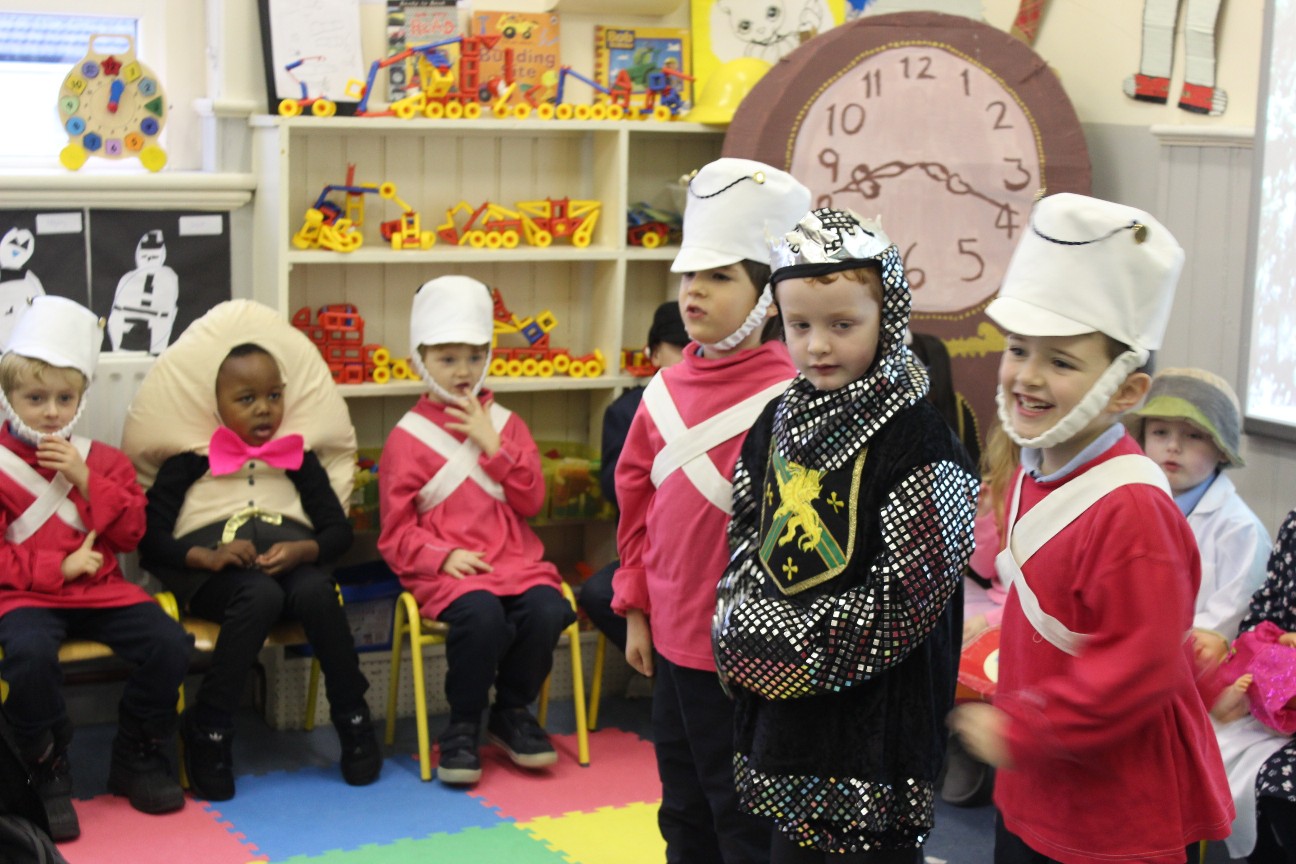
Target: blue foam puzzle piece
x,y
270,810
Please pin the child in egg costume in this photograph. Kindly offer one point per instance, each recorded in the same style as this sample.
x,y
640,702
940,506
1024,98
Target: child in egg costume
x,y
247,451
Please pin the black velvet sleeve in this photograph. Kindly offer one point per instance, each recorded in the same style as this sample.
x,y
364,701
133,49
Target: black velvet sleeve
x,y
165,498
333,532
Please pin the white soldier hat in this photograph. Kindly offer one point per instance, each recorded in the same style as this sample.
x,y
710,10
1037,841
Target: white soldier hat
x,y
452,310
737,210
1087,265
59,331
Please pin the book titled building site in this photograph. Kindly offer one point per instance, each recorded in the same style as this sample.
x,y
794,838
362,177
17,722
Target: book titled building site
x,y
641,51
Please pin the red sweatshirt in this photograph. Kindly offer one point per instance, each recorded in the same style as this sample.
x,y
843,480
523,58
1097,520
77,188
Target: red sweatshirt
x,y
1115,758
672,540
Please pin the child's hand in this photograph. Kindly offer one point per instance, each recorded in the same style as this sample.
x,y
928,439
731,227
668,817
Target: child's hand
x,y
1288,639
466,562
982,729
474,421
83,562
237,553
639,644
974,626
59,454
282,557
1233,704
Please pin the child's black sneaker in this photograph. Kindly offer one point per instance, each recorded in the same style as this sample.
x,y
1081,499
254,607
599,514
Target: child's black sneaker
x,y
522,738
361,757
208,759
52,780
459,764
141,772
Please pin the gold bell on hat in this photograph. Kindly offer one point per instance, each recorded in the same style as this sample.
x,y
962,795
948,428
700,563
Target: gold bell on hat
x,y
1140,232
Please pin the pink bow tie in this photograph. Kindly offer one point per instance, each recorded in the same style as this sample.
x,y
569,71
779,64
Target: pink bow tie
x,y
228,452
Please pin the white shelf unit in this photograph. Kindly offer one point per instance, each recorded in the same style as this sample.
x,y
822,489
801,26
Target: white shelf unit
x,y
602,295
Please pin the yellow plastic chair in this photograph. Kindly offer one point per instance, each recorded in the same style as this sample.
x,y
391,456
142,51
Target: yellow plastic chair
x,y
423,632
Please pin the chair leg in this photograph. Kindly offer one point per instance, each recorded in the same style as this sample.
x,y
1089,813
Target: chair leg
x,y
596,682
406,622
312,694
578,695
542,703
393,681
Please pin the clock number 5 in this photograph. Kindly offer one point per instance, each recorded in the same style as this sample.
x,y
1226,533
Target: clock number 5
x,y
963,247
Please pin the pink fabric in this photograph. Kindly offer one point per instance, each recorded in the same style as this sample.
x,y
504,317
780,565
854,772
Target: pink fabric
x,y
1273,692
671,539
31,572
228,452
416,545
1114,755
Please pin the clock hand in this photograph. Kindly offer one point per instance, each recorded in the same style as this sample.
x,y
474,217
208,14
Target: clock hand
x,y
865,181
114,95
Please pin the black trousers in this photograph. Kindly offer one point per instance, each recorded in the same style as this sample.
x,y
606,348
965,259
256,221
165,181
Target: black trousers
x,y
699,817
141,634
1276,837
505,641
595,598
246,603
785,851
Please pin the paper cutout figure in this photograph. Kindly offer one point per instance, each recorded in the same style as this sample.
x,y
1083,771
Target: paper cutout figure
x,y
772,28
1152,82
18,285
146,297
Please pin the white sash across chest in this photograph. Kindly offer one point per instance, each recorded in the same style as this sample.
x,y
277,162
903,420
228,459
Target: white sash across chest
x,y
460,458
1046,519
51,495
686,446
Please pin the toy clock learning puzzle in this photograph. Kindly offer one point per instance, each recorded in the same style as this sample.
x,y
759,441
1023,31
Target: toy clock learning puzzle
x,y
112,106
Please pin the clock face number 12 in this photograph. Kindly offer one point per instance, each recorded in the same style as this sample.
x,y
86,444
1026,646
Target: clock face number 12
x,y
938,145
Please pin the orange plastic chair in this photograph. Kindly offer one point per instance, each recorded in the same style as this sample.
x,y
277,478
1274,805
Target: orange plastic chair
x,y
422,632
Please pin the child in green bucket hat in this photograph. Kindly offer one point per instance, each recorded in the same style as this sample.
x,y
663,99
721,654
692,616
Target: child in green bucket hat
x,y
1191,427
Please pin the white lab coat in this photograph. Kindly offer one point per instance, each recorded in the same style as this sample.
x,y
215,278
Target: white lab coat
x,y
1234,548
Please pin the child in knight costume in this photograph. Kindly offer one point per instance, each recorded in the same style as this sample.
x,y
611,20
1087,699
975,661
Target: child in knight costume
x,y
459,477
1098,727
838,619
674,488
245,519
69,506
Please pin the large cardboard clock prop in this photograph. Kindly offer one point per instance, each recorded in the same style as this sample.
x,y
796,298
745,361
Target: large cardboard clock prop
x,y
946,127
112,106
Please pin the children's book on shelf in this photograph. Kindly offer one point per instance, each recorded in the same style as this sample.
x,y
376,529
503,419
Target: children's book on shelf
x,y
411,23
641,51
533,38
725,30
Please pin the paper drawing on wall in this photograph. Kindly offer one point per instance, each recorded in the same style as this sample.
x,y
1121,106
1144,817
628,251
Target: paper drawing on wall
x,y
154,272
18,284
1152,81
146,298
765,29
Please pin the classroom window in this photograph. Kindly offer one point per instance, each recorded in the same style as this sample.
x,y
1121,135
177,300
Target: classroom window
x,y
36,52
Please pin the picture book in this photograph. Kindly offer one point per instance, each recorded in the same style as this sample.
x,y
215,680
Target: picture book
x,y
725,30
533,38
411,23
641,51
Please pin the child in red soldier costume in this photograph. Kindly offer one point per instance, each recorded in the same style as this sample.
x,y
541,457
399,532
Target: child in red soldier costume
x,y
1099,731
674,488
459,477
67,507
